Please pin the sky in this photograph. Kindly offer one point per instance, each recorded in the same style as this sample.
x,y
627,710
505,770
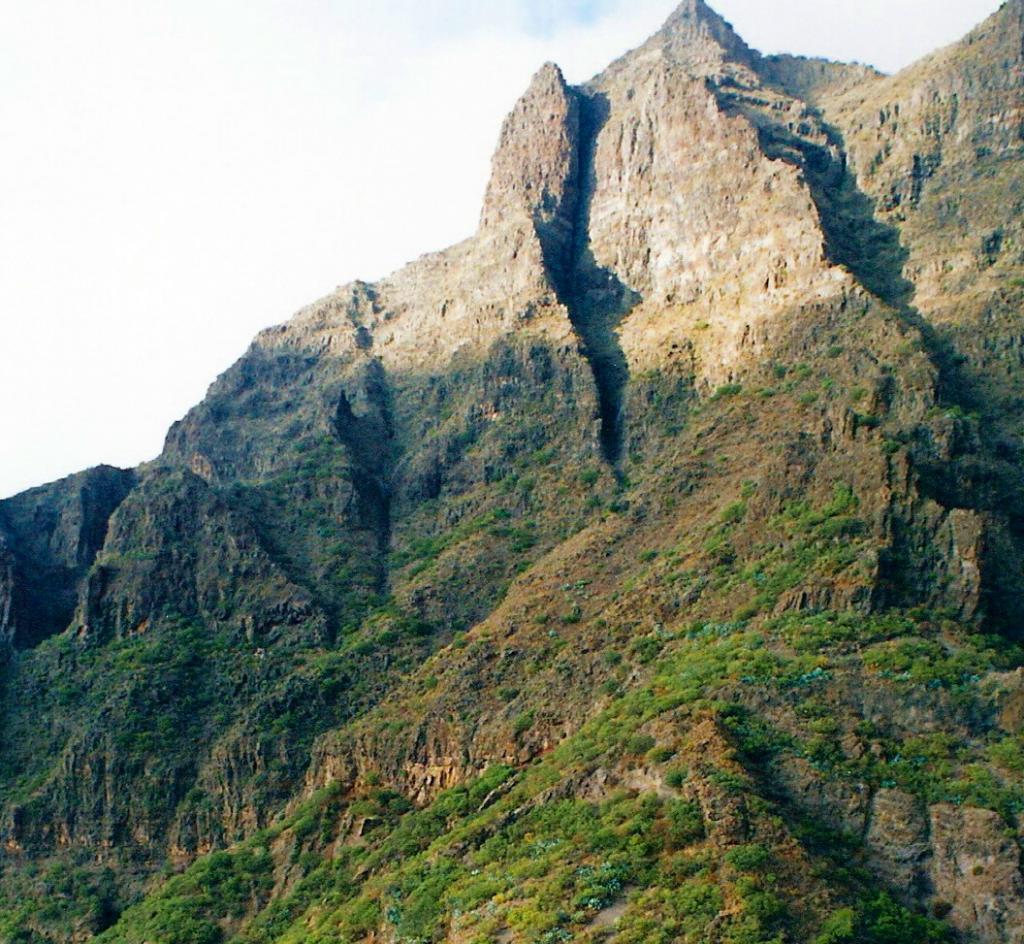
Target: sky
x,y
176,175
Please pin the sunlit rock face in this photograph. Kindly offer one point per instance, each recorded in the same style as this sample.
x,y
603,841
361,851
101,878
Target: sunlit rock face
x,y
683,498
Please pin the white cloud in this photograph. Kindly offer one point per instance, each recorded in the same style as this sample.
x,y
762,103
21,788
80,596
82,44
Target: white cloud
x,y
177,174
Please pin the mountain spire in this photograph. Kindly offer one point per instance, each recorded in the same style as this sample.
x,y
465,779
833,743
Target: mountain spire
x,y
534,167
697,33
695,38
691,12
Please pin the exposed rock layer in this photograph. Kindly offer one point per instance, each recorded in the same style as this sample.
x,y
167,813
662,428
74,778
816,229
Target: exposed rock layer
x,y
734,348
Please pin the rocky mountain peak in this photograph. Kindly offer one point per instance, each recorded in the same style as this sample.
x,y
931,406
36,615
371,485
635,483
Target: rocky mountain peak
x,y
537,153
694,39
695,15
548,77
679,504
695,35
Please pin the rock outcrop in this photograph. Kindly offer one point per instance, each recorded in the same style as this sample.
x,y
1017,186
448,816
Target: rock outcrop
x,y
53,535
937,149
689,482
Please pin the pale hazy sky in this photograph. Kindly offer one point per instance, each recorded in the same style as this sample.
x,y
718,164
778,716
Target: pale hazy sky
x,y
177,174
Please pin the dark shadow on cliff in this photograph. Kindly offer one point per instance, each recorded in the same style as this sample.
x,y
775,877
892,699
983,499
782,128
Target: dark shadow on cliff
x,y
978,471
854,237
596,299
369,439
53,536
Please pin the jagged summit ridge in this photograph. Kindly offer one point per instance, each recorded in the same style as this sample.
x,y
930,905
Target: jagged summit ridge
x,y
695,29
646,502
598,202
691,13
695,39
542,206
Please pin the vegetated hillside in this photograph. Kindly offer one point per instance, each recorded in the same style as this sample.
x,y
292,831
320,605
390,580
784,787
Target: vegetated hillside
x,y
646,568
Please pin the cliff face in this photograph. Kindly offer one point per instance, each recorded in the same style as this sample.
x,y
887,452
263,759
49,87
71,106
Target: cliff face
x,y
49,538
646,567
936,148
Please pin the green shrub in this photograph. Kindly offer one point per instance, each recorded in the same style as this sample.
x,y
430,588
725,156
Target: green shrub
x,y
697,904
640,744
685,823
361,917
522,724
749,858
676,778
304,826
727,390
839,928
734,513
1009,753
719,549
648,649
884,921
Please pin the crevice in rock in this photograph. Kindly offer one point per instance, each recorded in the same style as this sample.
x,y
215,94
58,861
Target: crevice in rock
x,y
368,437
53,536
595,298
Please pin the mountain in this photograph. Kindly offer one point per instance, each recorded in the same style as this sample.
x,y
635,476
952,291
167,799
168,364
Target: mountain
x,y
645,568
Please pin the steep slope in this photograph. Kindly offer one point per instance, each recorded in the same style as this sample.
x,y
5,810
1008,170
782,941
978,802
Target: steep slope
x,y
50,537
631,571
353,492
937,148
